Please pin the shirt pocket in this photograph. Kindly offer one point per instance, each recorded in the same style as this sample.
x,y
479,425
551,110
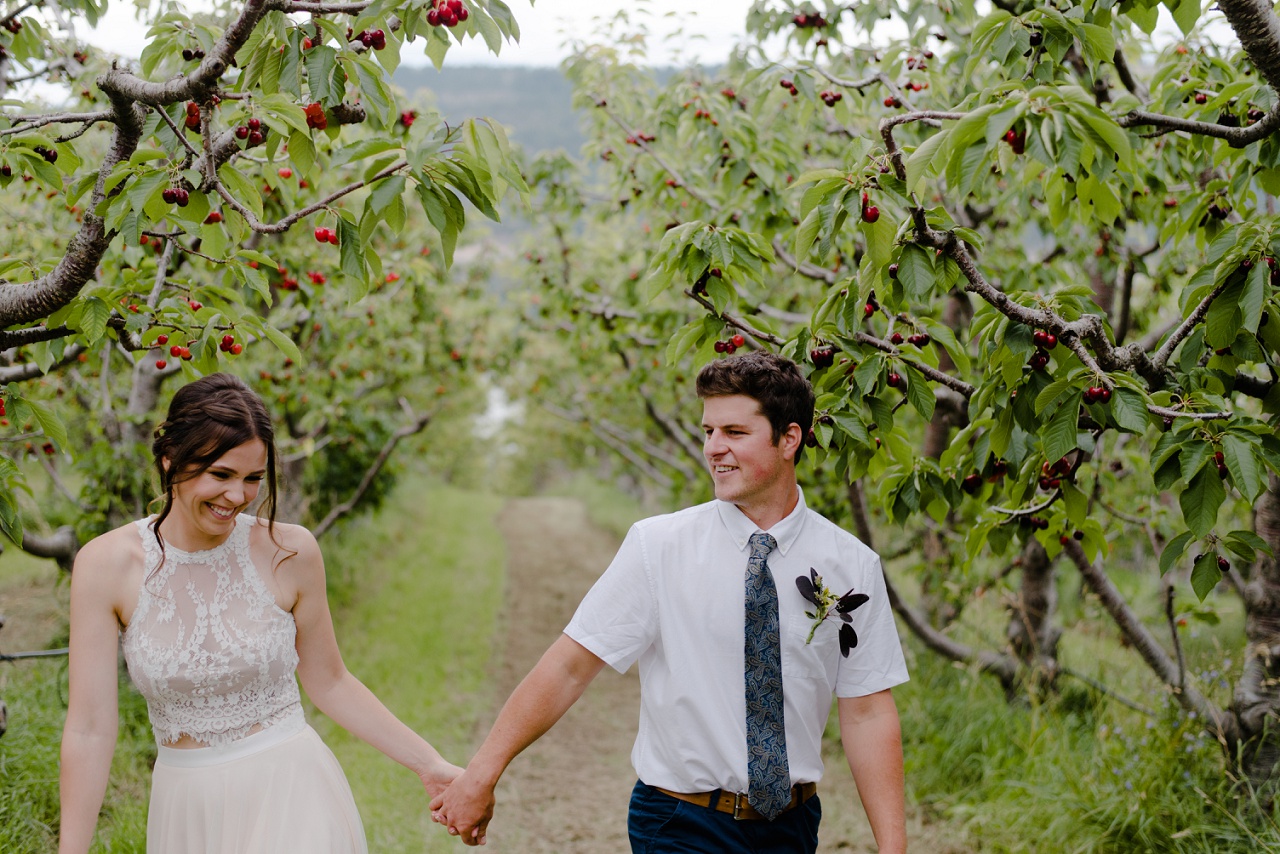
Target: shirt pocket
x,y
814,659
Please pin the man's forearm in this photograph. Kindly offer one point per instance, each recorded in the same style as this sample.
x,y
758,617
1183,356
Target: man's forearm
x,y
872,738
542,697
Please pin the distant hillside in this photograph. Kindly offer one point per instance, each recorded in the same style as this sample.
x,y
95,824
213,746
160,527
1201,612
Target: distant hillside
x,y
531,103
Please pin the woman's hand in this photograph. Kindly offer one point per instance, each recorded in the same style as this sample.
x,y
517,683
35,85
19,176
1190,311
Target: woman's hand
x,y
436,778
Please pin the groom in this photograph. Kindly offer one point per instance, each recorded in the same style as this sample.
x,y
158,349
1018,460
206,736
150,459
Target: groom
x,y
736,678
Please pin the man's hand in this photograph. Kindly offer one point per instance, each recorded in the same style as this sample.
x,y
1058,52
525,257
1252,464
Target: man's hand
x,y
465,808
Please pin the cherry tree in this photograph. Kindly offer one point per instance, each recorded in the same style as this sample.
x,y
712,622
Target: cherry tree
x,y
1027,254
252,194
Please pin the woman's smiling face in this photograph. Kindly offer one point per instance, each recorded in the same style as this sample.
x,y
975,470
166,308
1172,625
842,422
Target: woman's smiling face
x,y
205,506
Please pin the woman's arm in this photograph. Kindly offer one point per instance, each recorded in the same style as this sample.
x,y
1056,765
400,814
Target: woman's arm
x,y
89,736
325,678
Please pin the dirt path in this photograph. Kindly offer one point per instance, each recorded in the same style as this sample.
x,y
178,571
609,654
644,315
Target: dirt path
x,y
568,793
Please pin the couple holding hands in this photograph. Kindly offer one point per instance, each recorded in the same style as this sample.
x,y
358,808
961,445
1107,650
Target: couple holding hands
x,y
726,607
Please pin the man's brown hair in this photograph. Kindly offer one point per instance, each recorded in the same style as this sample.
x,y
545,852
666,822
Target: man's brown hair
x,y
783,392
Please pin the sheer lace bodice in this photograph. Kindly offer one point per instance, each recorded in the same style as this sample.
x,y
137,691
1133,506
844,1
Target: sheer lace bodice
x,y
208,646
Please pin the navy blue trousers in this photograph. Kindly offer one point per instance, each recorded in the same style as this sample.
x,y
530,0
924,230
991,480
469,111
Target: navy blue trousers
x,y
660,824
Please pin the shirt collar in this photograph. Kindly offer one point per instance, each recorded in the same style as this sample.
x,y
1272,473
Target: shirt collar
x,y
740,528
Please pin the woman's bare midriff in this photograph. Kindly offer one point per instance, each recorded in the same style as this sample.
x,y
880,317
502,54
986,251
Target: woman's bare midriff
x,y
189,743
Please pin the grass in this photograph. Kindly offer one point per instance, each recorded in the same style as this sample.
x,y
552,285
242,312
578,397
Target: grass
x,y
424,580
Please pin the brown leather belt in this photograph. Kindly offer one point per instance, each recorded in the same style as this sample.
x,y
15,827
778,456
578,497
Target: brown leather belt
x,y
735,803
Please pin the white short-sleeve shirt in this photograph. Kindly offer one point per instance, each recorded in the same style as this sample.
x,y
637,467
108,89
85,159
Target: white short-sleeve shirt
x,y
673,600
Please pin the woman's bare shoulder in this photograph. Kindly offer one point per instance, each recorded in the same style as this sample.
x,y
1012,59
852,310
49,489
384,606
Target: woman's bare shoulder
x,y
109,560
287,541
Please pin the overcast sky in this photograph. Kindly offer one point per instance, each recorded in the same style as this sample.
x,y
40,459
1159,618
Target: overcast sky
x,y
710,29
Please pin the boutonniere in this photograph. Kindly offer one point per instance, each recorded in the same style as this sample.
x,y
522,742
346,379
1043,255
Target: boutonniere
x,y
827,604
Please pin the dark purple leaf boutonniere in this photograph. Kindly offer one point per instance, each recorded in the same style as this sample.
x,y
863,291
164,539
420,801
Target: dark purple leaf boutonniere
x,y
827,604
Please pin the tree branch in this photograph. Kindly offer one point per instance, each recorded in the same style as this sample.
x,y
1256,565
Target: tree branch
x,y
416,425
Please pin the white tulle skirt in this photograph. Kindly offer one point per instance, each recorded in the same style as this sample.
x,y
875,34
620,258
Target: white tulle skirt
x,y
278,791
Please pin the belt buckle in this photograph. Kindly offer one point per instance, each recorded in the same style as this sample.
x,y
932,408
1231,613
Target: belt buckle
x,y
737,806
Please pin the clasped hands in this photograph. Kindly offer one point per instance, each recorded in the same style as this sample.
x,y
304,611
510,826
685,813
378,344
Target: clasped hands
x,y
464,805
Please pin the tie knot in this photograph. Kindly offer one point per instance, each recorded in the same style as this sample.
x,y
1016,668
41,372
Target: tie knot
x,y
761,544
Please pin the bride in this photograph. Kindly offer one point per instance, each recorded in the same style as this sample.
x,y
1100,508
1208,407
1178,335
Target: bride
x,y
217,609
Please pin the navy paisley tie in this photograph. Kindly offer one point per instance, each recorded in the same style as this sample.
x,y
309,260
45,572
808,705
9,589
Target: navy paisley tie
x,y
768,778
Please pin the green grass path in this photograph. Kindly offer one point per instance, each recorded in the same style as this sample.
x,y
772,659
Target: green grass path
x,y
422,584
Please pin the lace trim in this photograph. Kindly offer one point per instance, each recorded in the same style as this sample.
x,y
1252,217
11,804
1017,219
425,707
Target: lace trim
x,y
227,663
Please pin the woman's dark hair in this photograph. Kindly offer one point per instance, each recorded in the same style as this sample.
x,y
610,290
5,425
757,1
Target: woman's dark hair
x,y
207,418
783,392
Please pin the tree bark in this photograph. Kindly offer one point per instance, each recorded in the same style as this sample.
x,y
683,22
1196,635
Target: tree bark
x,y
1031,632
1257,695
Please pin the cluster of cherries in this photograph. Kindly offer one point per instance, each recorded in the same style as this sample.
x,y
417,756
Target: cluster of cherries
x,y
893,101
730,345
831,98
47,153
376,39
252,131
1051,474
193,116
1044,341
228,344
920,339
640,137
175,196
805,20
316,119
823,356
872,306
326,235
789,85
1097,394
447,13
1037,522
189,53
1217,211
13,25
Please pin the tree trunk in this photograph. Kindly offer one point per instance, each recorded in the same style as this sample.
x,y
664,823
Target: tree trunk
x,y
1031,632
937,554
1257,696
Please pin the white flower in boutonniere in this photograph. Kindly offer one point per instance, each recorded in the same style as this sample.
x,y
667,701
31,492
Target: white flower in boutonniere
x,y
827,604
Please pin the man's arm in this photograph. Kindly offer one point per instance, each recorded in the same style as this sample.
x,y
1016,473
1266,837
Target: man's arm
x,y
872,739
555,683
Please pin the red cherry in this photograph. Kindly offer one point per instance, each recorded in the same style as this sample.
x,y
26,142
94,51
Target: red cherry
x,y
161,340
213,218
871,213
894,380
738,340
322,235
195,306
256,137
285,172
237,349
161,364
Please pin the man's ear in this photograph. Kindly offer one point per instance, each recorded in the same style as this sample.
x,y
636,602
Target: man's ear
x,y
791,440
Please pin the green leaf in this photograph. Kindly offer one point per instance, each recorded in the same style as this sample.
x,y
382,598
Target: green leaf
x,y
1186,13
283,343
920,161
50,424
1059,436
1174,550
915,271
1129,409
93,319
1206,575
1239,458
1200,501
919,393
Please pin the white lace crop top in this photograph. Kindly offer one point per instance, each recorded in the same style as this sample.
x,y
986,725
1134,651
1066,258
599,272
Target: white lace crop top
x,y
208,646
